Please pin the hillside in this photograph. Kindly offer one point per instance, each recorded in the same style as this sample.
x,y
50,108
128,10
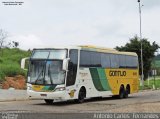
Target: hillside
x,y
10,60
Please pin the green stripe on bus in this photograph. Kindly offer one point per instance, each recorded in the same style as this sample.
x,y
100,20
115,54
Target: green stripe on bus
x,y
103,79
96,79
48,88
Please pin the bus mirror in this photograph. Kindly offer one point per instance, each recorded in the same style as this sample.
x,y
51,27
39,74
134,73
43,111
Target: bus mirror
x,y
65,64
23,63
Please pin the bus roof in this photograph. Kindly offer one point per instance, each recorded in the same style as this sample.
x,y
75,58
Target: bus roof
x,y
106,50
93,48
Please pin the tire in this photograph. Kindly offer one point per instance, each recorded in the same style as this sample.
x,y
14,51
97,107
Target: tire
x,y
48,101
126,94
121,93
127,91
81,96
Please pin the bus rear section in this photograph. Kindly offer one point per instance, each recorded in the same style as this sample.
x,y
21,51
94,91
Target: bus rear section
x,y
109,72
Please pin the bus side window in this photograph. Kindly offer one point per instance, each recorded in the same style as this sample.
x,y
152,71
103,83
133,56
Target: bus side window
x,y
122,61
72,67
114,61
105,60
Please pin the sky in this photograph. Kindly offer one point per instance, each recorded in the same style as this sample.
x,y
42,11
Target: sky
x,y
106,23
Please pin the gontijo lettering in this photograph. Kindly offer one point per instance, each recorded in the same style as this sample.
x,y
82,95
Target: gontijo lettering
x,y
117,73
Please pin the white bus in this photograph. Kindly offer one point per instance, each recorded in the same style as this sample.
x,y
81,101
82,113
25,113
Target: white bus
x,y
76,73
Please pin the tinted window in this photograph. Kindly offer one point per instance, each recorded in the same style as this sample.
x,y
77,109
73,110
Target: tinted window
x,y
73,54
90,59
95,59
105,60
122,61
72,67
131,62
85,59
114,61
135,62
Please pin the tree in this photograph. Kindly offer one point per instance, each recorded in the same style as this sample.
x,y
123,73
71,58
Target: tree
x,y
3,37
148,52
4,43
15,44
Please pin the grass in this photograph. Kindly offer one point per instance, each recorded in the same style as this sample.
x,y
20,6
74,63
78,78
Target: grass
x,y
149,84
10,60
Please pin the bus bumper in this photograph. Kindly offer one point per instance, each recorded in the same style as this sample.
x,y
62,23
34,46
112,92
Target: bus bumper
x,y
59,95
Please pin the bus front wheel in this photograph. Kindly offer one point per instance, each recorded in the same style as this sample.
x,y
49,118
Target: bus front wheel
x,y
81,95
48,101
121,92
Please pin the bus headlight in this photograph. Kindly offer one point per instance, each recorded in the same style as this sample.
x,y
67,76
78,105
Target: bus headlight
x,y
29,88
60,89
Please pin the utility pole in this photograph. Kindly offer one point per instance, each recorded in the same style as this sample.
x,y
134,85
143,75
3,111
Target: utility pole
x,y
142,74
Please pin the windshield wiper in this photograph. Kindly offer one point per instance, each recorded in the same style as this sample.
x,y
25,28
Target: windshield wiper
x,y
43,71
49,73
40,74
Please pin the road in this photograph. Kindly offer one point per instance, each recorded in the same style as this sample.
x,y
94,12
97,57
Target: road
x,y
146,101
90,105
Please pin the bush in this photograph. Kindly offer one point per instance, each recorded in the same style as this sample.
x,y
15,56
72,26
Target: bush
x,y
10,70
10,62
2,75
1,61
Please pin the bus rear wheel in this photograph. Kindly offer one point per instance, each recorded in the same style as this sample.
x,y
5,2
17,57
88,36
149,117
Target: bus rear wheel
x,y
127,91
48,101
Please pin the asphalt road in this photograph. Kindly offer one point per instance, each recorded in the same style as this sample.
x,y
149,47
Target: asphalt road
x,y
146,101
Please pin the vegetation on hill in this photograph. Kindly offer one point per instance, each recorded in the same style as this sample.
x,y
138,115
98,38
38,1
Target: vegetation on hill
x,y
10,60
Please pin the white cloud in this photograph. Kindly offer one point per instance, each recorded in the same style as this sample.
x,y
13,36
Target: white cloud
x,y
27,41
106,23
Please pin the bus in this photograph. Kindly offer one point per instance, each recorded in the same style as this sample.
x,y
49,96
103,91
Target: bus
x,y
80,72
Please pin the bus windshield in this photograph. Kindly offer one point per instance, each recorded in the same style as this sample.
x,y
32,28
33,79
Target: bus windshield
x,y
46,67
46,72
49,54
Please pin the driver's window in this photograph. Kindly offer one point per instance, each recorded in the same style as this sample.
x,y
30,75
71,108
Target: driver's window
x,y
72,67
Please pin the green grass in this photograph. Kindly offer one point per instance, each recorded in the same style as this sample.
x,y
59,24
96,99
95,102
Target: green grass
x,y
10,60
151,83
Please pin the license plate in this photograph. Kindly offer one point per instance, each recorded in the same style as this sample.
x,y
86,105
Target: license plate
x,y
44,95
